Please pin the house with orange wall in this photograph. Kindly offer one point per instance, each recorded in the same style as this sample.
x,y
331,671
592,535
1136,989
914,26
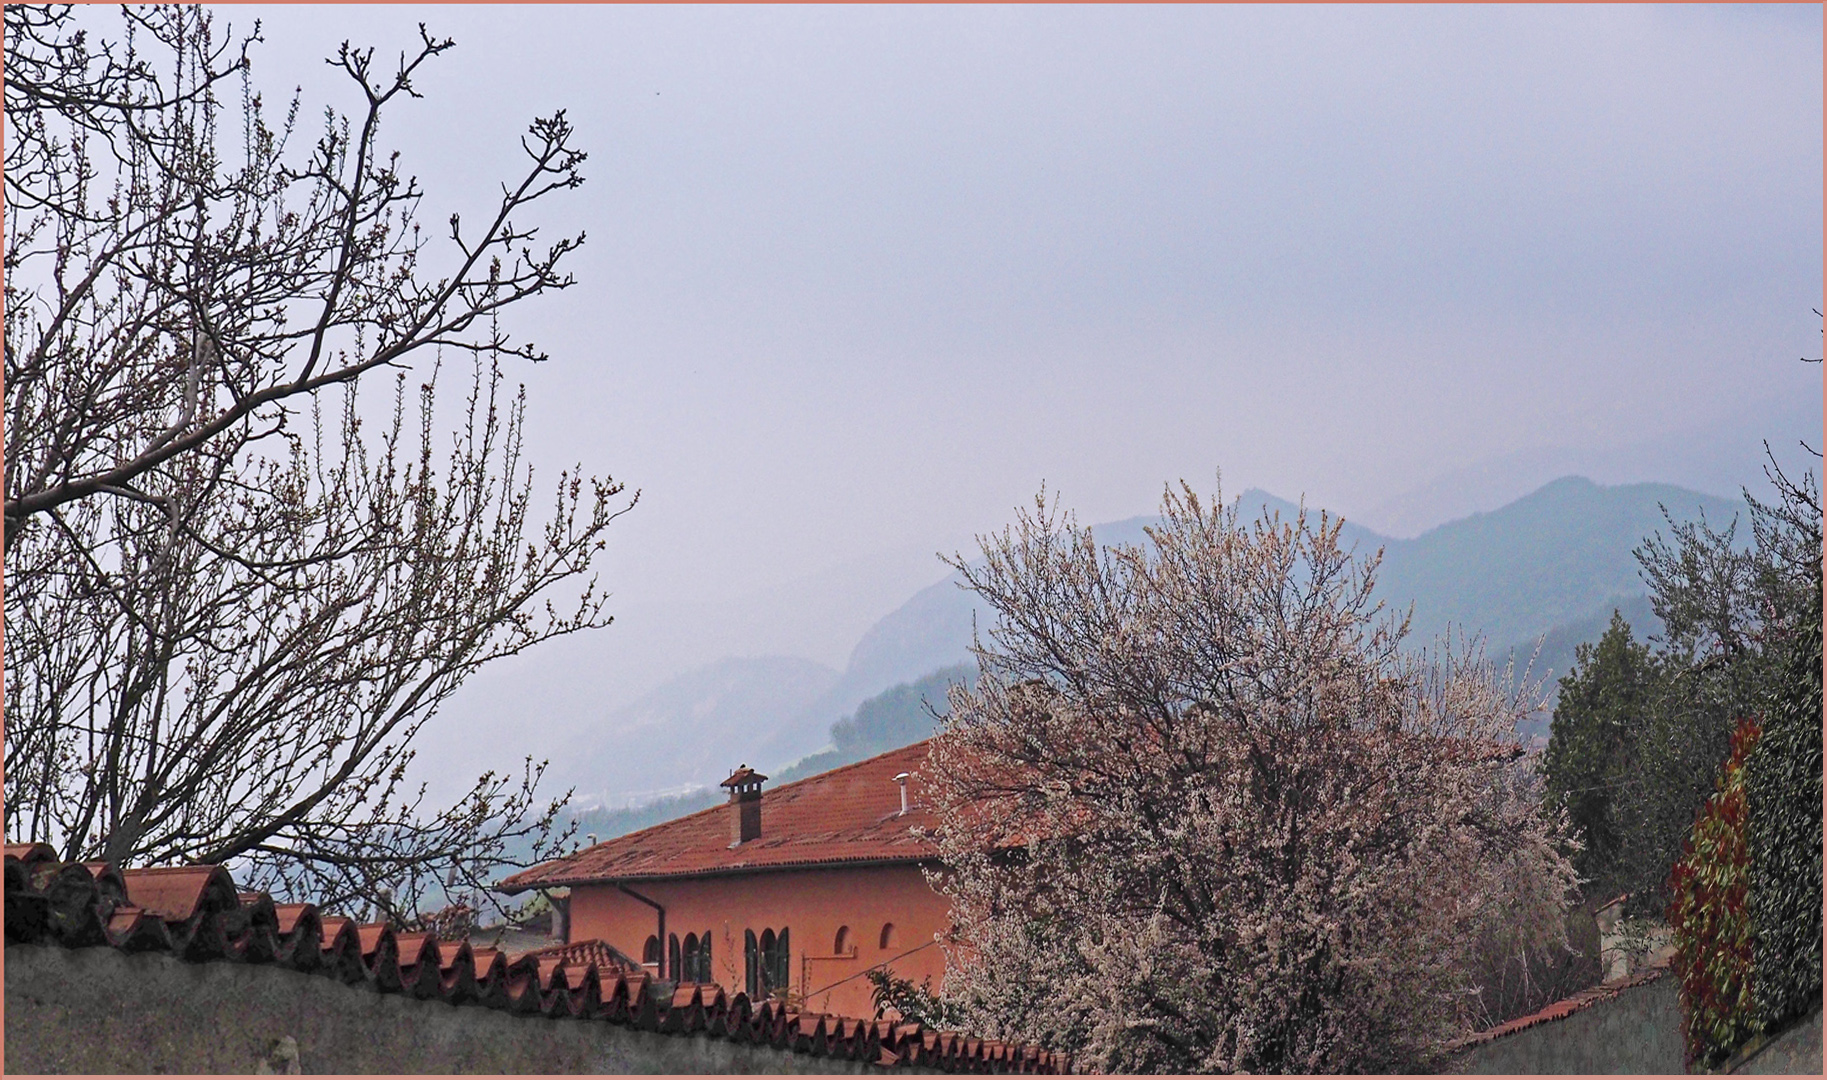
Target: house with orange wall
x,y
801,889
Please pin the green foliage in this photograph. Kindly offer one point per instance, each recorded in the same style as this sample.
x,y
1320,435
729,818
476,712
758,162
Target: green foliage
x,y
1636,742
1783,792
1711,920
1676,748
1554,654
894,718
913,1004
1639,734
1610,687
899,716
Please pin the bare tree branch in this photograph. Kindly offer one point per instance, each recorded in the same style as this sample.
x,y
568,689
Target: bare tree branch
x,y
234,598
281,279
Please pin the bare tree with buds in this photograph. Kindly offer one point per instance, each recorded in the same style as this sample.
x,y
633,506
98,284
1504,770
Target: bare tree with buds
x,y
237,587
144,271
1202,813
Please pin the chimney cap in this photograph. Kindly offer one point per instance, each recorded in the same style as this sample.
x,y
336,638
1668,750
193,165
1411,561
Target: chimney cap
x,y
743,775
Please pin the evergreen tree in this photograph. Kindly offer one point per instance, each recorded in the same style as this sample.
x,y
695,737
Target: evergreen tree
x,y
1640,734
1602,701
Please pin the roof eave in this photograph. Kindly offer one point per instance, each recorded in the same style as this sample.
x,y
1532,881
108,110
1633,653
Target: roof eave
x,y
713,872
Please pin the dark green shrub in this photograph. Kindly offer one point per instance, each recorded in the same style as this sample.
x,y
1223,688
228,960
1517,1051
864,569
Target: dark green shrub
x,y
1637,741
1711,921
1783,793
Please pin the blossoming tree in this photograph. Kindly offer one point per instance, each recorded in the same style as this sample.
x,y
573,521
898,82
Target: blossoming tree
x,y
1201,811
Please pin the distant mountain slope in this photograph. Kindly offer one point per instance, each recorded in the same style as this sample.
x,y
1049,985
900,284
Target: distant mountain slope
x,y
1551,653
694,727
605,823
902,714
1717,452
1549,563
930,631
1553,563
1557,555
933,628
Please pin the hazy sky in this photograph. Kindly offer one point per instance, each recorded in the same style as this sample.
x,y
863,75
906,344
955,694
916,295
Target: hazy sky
x,y
859,280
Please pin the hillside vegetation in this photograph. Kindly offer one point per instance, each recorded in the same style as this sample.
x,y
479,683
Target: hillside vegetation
x,y
902,714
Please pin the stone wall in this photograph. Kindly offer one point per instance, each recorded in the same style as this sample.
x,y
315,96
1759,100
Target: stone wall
x,y
100,1010
1635,1030
1795,1050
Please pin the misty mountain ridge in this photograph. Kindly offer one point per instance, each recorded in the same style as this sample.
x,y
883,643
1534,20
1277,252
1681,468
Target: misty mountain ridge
x,y
674,739
1549,567
1716,453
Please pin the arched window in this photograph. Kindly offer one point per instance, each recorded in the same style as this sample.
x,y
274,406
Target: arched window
x,y
783,969
768,960
887,935
704,959
842,945
751,956
689,956
650,952
672,957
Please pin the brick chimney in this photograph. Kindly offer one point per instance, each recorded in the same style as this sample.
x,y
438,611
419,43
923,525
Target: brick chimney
x,y
745,804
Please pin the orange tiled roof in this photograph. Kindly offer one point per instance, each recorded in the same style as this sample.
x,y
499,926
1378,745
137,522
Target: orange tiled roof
x,y
851,814
196,914
590,951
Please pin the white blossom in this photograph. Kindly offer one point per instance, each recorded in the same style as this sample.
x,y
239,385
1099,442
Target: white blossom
x,y
1201,812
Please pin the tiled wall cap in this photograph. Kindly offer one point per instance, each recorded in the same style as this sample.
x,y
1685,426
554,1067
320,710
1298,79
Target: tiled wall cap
x,y
196,913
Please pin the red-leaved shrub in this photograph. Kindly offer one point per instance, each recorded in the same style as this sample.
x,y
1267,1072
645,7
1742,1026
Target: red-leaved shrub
x,y
1710,920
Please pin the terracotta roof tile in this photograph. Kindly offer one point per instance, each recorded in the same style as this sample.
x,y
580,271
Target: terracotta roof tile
x,y
595,951
1567,1006
177,893
196,913
30,853
289,915
848,815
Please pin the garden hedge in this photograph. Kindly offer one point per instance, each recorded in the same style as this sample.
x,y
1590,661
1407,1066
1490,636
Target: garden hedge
x,y
1783,792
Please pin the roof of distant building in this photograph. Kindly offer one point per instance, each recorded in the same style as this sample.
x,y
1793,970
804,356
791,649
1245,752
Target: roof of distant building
x,y
849,815
605,956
